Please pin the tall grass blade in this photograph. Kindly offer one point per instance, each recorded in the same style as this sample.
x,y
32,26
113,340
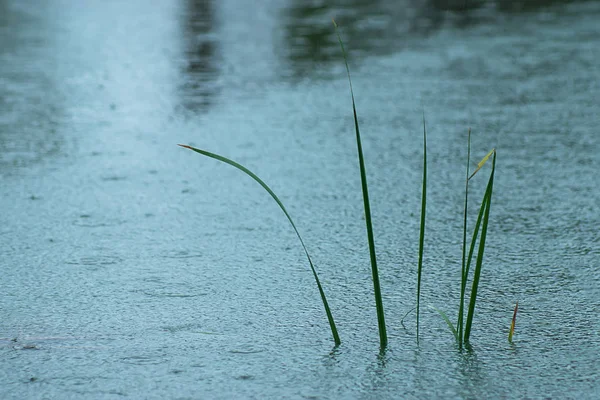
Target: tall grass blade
x,y
422,230
512,324
367,207
463,278
334,331
487,202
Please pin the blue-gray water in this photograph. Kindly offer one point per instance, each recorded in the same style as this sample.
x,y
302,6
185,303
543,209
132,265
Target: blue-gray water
x,y
132,268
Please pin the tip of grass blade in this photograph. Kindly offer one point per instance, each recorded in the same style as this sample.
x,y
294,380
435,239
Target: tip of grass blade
x,y
482,162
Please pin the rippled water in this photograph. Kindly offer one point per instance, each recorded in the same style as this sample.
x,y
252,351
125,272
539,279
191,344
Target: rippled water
x,y
134,268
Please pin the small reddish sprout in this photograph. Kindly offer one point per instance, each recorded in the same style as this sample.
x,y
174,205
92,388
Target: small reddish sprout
x,y
512,325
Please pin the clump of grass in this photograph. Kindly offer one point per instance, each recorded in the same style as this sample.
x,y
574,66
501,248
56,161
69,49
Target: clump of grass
x,y
484,211
462,331
225,160
367,208
482,221
461,335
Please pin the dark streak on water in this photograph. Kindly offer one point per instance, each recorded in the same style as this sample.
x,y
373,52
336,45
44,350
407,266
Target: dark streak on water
x,y
131,268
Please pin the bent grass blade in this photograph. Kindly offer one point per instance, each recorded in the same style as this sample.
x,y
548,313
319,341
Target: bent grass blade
x,y
225,160
367,207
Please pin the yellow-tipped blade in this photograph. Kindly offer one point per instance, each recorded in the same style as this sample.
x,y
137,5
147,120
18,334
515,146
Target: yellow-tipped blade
x,y
482,162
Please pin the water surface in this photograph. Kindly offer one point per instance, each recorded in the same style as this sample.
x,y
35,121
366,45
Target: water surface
x,y
134,268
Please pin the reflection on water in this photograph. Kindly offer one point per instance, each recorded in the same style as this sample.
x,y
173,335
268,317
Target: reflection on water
x,y
472,377
378,27
373,27
308,31
528,5
201,53
457,5
30,104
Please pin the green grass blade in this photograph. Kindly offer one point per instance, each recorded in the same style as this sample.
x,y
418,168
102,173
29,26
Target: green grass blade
x,y
474,238
469,259
365,191
463,278
476,275
445,318
422,230
468,266
334,331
